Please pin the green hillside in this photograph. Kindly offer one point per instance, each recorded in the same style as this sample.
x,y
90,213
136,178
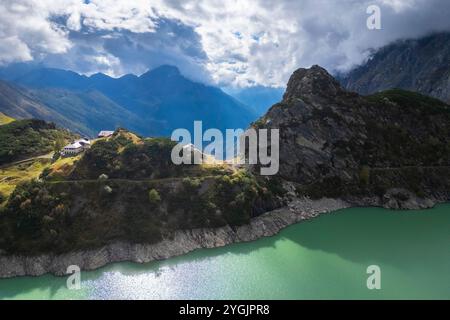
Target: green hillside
x,y
22,139
140,196
407,99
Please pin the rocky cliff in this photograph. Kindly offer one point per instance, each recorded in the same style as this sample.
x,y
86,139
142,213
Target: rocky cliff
x,y
421,65
339,144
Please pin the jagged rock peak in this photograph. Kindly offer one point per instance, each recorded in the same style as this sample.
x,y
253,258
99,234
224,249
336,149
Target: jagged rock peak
x,y
315,81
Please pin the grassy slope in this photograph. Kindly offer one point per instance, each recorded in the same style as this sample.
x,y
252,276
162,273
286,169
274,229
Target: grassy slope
x,y
4,119
408,99
22,139
13,175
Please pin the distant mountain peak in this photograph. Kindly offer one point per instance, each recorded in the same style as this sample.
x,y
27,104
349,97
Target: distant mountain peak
x,y
128,76
315,81
99,75
162,71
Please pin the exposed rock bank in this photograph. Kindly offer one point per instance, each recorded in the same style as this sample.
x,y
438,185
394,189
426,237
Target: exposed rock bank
x,y
183,242
186,241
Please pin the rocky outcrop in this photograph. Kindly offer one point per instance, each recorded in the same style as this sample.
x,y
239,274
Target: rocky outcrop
x,y
418,65
182,242
336,143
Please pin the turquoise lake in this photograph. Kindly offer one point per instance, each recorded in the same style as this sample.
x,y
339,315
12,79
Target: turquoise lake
x,y
324,258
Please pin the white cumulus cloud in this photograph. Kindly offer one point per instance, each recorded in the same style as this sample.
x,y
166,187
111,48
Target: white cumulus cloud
x,y
231,43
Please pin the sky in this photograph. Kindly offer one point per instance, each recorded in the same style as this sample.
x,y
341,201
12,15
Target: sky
x,y
229,43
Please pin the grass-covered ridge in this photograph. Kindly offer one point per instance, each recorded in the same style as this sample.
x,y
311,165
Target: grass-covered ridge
x,y
13,175
4,119
412,130
408,99
23,139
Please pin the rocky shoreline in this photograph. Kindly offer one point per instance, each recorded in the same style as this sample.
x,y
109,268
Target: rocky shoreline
x,y
185,241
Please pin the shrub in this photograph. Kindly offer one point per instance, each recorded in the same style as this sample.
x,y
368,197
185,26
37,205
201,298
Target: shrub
x,y
154,197
56,156
2,198
191,183
103,177
44,174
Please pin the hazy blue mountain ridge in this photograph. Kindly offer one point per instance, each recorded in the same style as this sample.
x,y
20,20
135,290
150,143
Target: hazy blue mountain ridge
x,y
154,103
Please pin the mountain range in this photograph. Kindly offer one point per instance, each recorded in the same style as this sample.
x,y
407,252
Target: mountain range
x,y
161,100
421,65
153,104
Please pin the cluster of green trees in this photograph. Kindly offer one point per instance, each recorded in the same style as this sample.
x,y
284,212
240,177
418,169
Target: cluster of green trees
x,y
26,138
120,157
33,218
231,199
43,217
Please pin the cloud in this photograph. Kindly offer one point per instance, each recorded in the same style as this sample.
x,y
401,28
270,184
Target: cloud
x,y
230,43
26,32
13,49
263,42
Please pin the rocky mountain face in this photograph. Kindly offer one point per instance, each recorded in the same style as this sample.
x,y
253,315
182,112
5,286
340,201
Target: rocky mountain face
x,y
418,65
337,143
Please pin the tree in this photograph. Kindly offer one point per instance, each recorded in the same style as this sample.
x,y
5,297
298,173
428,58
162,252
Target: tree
x,y
154,197
59,143
103,177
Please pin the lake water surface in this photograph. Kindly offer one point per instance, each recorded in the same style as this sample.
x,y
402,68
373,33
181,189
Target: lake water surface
x,y
324,258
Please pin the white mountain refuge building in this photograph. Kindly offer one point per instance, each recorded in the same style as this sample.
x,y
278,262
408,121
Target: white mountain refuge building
x,y
76,147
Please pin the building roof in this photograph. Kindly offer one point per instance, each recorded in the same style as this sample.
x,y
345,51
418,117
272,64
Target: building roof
x,y
83,141
105,133
75,145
